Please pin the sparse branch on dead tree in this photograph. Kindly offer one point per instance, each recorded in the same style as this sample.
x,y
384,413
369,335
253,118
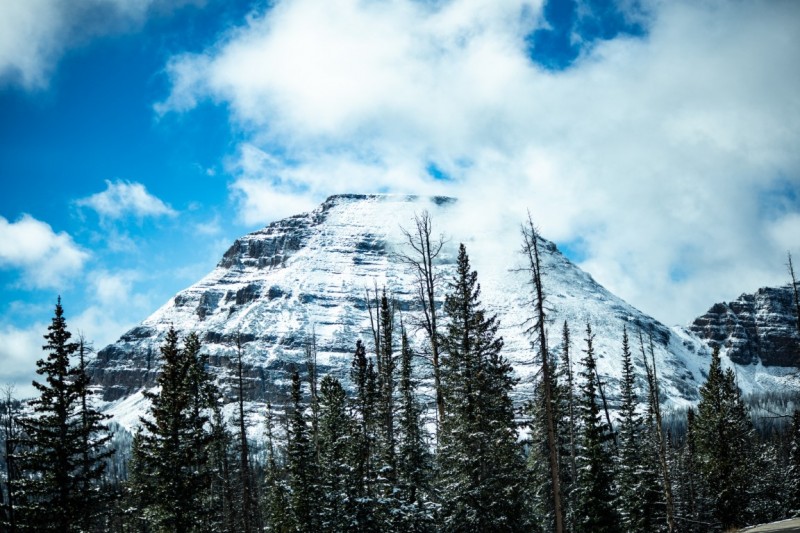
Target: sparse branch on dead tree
x,y
423,252
530,249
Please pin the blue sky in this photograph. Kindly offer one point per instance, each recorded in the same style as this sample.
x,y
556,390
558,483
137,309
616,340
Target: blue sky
x,y
656,142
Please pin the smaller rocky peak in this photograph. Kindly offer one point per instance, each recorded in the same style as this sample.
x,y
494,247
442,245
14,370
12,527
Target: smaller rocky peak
x,y
757,327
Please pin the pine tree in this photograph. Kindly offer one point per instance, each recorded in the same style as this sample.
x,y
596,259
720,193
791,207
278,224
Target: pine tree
x,y
65,441
386,404
171,468
638,501
656,431
363,448
337,483
723,433
568,399
794,466
480,461
414,461
301,466
594,493
9,436
276,501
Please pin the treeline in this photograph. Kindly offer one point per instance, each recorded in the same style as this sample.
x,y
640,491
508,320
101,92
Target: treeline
x,y
368,454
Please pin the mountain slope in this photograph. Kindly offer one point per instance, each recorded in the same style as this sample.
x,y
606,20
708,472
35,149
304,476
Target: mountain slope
x,y
309,274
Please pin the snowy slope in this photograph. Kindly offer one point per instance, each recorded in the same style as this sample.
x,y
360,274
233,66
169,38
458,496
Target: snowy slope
x,y
311,272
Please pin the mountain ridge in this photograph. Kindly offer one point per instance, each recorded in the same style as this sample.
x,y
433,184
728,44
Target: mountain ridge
x,y
311,272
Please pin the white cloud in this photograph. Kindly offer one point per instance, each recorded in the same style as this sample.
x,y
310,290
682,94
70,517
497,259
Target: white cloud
x,y
654,152
122,198
46,258
19,351
35,33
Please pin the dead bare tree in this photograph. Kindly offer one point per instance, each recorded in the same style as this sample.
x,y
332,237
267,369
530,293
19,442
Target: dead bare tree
x,y
530,249
423,252
652,386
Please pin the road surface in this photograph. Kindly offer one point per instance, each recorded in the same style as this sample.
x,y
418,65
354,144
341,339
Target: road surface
x,y
784,526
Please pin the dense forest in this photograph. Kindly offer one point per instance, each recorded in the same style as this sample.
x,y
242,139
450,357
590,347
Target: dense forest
x,y
382,452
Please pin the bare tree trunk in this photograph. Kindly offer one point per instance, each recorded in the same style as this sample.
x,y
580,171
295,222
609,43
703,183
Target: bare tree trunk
x,y
652,382
531,250
375,325
423,253
10,437
571,404
605,407
244,449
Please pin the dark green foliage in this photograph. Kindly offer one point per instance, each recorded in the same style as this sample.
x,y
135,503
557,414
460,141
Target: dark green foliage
x,y
276,499
364,445
414,461
794,466
386,456
723,435
538,466
638,495
301,467
10,434
594,494
337,483
172,467
64,449
480,462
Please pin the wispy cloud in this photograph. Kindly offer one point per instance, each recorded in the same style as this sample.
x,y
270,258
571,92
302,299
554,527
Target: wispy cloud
x,y
34,34
124,198
45,258
653,151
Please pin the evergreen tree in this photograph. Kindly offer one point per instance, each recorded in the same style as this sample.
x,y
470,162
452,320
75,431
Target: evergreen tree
x,y
638,501
276,499
594,492
172,470
9,437
414,461
690,493
386,403
480,461
301,466
65,441
723,434
362,450
337,483
794,465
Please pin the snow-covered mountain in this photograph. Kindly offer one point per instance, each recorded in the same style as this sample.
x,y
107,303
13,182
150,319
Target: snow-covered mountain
x,y
309,275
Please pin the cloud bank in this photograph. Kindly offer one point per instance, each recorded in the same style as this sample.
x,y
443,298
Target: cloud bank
x,y
668,162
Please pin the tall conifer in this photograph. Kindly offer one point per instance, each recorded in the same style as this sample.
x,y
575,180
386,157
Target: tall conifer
x,y
480,461
594,494
65,443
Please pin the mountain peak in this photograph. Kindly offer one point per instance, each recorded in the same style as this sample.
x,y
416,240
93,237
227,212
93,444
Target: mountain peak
x,y
312,274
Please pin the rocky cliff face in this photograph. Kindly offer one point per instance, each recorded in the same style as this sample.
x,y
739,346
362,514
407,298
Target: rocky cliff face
x,y
756,328
310,274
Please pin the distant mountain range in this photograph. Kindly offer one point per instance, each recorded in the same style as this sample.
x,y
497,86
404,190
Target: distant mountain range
x,y
310,274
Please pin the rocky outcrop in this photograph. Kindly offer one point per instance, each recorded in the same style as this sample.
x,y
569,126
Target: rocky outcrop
x,y
760,327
